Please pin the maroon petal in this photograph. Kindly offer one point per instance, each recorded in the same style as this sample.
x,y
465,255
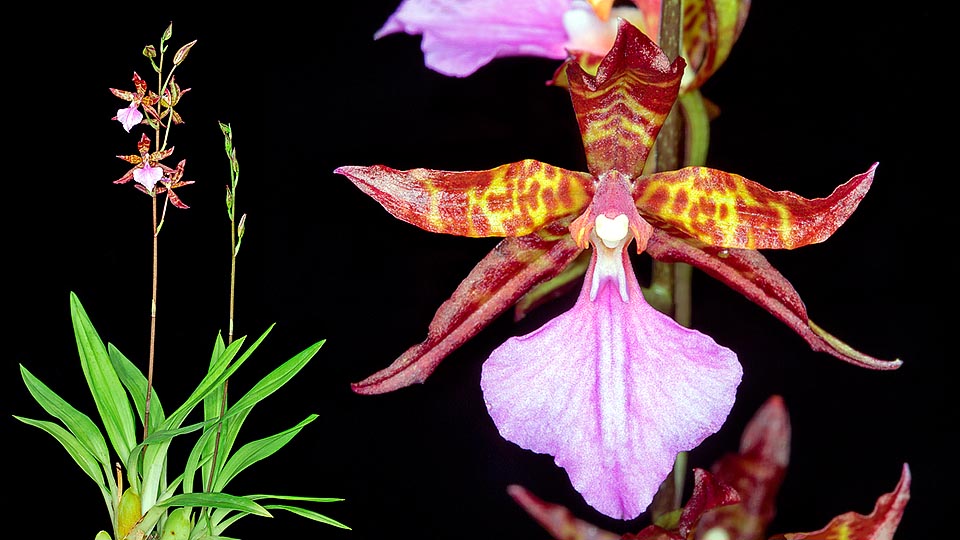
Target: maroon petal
x,y
749,273
514,266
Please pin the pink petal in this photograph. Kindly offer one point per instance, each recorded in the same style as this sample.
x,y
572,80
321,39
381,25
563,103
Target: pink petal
x,y
461,36
129,116
148,176
613,390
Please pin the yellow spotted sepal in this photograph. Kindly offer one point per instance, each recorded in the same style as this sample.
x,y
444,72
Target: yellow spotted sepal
x,y
515,199
727,210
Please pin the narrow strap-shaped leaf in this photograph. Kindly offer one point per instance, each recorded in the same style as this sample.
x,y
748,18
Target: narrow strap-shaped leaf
x,y
237,413
509,200
108,393
309,514
255,451
216,500
880,524
219,372
621,110
727,210
79,453
749,273
277,378
136,384
79,424
494,284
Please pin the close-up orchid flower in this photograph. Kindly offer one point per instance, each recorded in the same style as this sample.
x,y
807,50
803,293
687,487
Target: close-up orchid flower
x,y
613,389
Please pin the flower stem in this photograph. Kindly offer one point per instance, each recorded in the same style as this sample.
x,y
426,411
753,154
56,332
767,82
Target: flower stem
x,y
671,282
153,323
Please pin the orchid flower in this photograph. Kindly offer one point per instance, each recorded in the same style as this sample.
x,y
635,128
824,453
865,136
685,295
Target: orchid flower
x,y
612,388
130,115
460,36
735,499
148,172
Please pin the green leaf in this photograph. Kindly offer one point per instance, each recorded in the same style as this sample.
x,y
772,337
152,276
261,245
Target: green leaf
x,y
218,373
136,384
309,514
277,378
697,128
257,450
155,460
78,452
104,384
216,500
102,535
79,424
237,413
199,457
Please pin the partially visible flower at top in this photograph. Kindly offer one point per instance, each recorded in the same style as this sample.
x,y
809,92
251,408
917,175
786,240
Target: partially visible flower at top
x,y
735,500
148,172
131,116
613,389
461,36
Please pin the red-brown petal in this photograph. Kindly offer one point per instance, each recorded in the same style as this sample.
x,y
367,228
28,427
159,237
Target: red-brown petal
x,y
557,519
756,472
727,210
511,200
708,493
878,525
622,108
749,273
503,276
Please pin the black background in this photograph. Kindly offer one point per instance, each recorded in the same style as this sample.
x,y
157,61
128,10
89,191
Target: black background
x,y
807,99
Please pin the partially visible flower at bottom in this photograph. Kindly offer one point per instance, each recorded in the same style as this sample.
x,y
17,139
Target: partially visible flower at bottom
x,y
735,499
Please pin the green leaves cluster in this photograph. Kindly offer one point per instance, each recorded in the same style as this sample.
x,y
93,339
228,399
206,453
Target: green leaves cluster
x,y
183,503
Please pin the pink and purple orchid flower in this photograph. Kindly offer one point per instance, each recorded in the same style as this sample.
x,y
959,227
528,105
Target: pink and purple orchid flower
x,y
613,389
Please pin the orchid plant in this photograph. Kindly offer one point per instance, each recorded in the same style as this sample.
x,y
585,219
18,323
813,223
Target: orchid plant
x,y
192,504
613,389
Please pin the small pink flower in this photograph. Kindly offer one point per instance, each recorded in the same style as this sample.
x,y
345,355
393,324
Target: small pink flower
x,y
130,116
147,176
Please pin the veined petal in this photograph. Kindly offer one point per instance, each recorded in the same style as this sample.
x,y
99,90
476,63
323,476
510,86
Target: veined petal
x,y
878,525
613,389
727,210
460,37
710,28
147,176
504,275
749,273
511,200
623,107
